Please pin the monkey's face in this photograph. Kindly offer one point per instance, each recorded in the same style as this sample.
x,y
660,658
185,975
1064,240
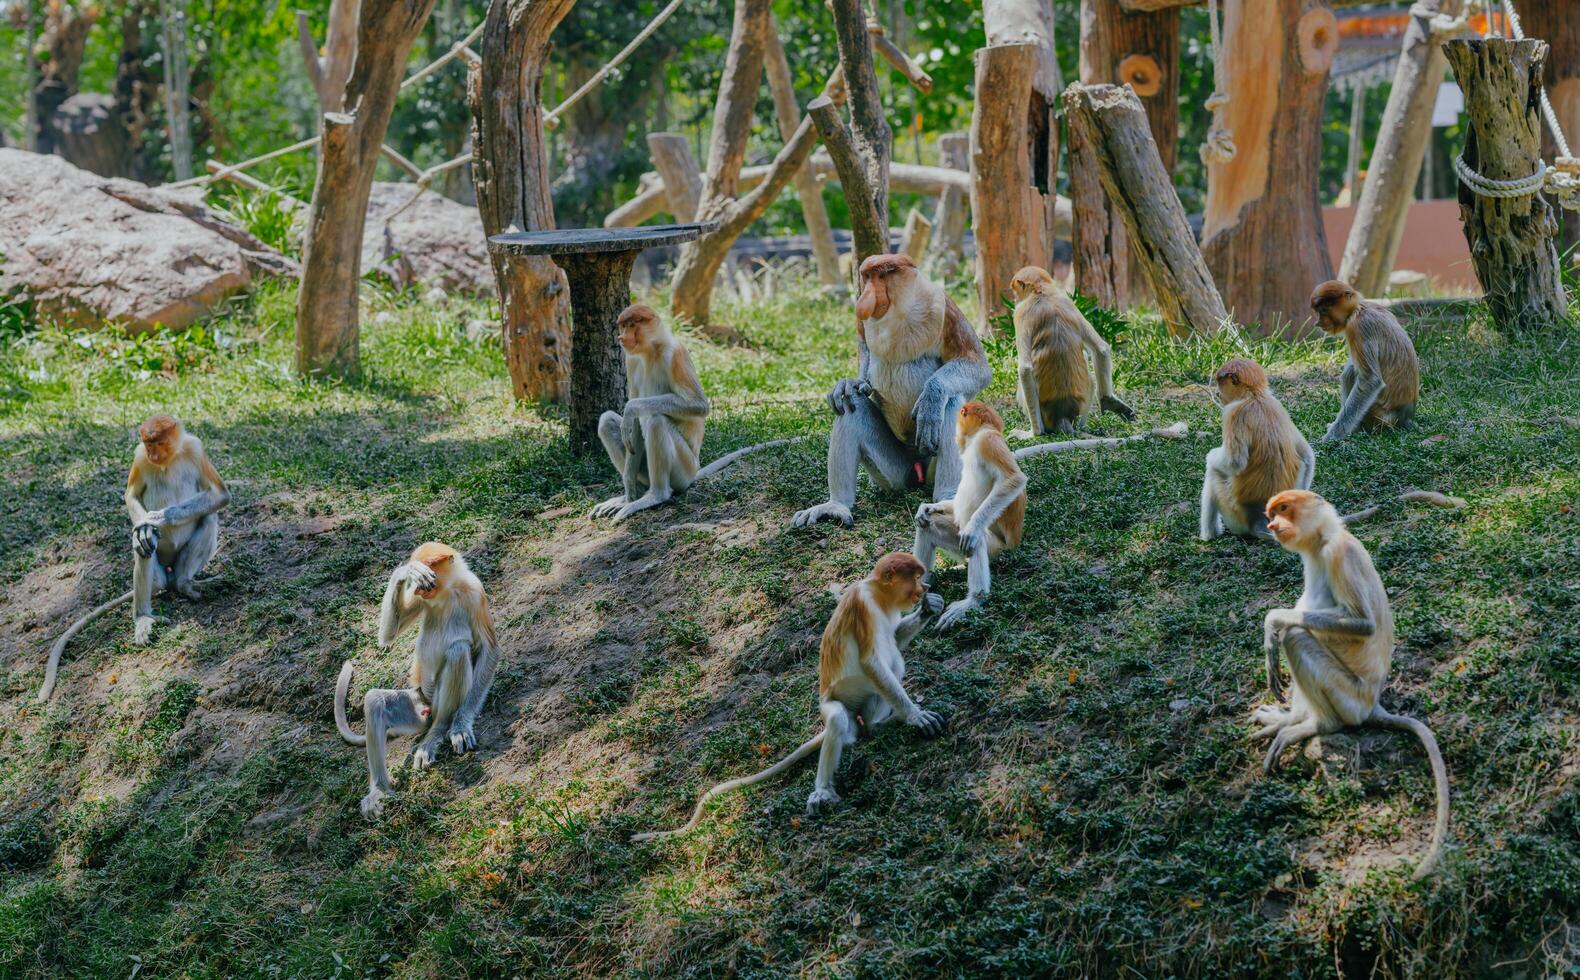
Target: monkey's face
x,y
899,577
160,436
1288,516
1334,303
881,275
637,324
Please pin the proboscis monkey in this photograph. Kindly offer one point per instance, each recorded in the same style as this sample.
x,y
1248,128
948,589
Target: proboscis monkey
x,y
1051,342
1262,454
655,445
1382,379
172,495
987,514
860,670
452,665
1339,640
919,362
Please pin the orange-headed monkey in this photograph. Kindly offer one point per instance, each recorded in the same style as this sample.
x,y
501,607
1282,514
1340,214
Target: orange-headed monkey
x,y
1382,379
1339,640
1052,339
1262,454
860,669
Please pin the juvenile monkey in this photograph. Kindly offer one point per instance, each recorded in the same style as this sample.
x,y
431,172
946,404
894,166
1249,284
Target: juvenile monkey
x,y
1051,341
1262,454
1339,639
451,670
655,445
860,667
172,495
919,362
987,514
1382,379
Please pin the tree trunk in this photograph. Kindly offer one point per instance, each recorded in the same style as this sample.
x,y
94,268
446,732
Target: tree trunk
x,y
1003,199
869,227
678,170
88,132
1511,238
1402,139
788,114
600,287
1262,232
1110,121
913,240
1031,22
1558,23
65,38
173,46
326,307
869,133
949,221
330,71
692,291
511,169
1121,47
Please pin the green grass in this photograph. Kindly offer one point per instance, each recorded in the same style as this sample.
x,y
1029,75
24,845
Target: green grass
x,y
1094,809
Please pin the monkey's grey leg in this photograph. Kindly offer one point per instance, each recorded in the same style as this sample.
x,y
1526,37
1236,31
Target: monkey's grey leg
x,y
946,469
1357,404
1029,395
195,554
613,442
859,436
662,442
978,582
1211,525
388,712
1308,466
1332,689
839,730
148,580
628,461
455,679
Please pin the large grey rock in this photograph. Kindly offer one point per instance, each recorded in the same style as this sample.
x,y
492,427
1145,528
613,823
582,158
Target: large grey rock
x,y
434,243
88,249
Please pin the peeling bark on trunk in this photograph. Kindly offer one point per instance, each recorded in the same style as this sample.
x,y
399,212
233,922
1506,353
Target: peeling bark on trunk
x,y
1121,47
869,134
1262,231
1003,200
1111,122
326,307
1558,23
1511,239
511,169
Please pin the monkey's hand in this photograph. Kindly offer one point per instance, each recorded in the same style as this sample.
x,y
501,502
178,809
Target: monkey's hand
x,y
927,419
420,576
933,603
821,801
842,397
1119,408
929,723
630,426
1274,625
970,539
145,538
462,740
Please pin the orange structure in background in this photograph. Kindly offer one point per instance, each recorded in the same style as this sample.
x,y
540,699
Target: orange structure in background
x,y
1433,243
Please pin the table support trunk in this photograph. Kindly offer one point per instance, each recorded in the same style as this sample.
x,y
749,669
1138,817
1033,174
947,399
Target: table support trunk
x,y
600,288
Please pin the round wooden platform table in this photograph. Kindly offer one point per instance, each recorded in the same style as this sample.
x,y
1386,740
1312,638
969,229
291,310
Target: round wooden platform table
x,y
597,264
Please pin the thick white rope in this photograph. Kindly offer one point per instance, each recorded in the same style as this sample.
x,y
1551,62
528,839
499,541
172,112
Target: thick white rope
x,y
456,50
1547,104
1219,146
551,119
1439,24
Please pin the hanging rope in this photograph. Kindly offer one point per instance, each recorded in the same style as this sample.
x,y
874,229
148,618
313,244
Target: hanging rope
x,y
1439,24
1219,146
551,119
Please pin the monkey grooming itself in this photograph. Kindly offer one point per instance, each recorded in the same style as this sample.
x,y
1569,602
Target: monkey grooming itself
x,y
451,670
860,667
1262,454
172,495
919,362
987,514
1382,379
1051,342
1339,639
656,443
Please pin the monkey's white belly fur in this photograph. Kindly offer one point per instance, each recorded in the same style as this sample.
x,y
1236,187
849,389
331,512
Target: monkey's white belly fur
x,y
905,344
851,687
440,630
166,488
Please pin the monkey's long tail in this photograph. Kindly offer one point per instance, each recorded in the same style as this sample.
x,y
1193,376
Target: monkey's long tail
x,y
53,666
807,748
1425,496
729,458
341,687
1176,431
1439,773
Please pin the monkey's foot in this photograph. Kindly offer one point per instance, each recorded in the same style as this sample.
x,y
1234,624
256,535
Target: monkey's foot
x,y
830,511
1272,718
373,804
821,801
645,502
930,723
933,601
143,630
422,757
190,590
957,611
608,507
461,739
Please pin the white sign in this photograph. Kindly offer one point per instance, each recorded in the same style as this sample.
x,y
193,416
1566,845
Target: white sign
x,y
1450,103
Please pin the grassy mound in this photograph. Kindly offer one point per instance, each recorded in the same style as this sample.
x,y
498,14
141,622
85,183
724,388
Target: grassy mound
x,y
187,809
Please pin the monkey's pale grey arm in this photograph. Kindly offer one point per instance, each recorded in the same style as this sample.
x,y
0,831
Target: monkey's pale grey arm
x,y
1005,490
959,379
911,625
841,398
677,406
889,686
397,612
1360,400
196,507
1028,398
1334,620
482,679
1308,464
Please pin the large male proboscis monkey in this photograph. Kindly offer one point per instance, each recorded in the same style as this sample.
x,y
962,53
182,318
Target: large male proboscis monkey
x,y
1339,640
860,670
172,495
1052,339
1262,454
452,666
919,362
1382,379
655,445
987,514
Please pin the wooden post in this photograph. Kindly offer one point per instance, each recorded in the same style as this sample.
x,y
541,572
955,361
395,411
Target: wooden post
x,y
1396,158
869,227
913,240
329,71
1141,49
1031,22
1558,23
600,287
868,137
1511,238
1352,160
787,112
1003,199
678,172
1109,120
511,168
949,221
1262,230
